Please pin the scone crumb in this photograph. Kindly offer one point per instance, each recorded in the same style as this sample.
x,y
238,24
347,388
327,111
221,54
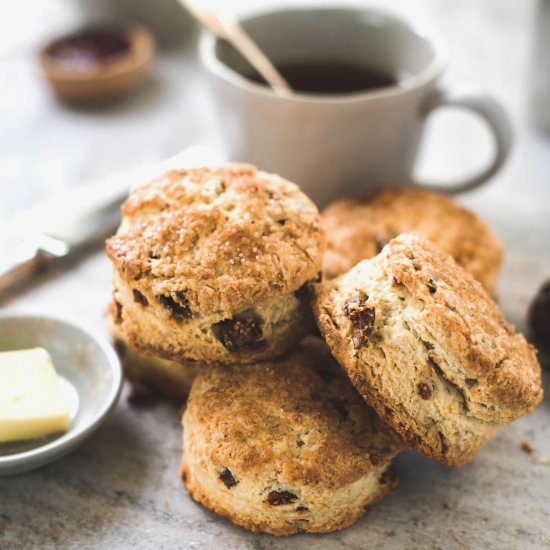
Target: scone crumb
x,y
544,460
526,446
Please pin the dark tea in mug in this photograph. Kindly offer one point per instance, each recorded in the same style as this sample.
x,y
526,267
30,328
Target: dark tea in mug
x,y
330,77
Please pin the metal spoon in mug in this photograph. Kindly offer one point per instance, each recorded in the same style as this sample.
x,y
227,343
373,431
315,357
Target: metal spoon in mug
x,y
226,26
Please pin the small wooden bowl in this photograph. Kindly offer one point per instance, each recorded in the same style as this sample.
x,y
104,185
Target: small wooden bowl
x,y
107,78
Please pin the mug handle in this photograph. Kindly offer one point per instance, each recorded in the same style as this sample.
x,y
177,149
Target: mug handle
x,y
496,118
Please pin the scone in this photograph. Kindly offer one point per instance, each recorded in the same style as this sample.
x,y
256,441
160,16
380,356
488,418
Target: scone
x,y
210,265
358,229
168,378
427,347
285,446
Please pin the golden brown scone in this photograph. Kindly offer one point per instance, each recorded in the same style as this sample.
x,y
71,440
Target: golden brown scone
x,y
168,378
285,446
358,229
210,265
427,347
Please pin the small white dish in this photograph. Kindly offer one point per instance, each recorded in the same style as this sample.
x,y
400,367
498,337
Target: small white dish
x,y
91,380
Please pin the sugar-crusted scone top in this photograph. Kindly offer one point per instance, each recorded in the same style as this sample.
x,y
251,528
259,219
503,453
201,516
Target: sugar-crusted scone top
x,y
358,229
225,237
298,419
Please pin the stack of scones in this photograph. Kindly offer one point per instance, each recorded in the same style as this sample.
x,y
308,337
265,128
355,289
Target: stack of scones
x,y
312,348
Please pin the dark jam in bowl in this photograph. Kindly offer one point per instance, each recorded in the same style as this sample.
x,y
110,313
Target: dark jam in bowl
x,y
89,48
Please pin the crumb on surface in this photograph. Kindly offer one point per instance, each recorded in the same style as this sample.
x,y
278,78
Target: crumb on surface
x,y
544,460
526,446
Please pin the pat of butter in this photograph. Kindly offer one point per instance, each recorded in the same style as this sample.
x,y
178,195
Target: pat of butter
x,y
31,402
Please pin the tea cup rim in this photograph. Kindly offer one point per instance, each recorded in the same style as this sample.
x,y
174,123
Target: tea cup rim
x,y
207,54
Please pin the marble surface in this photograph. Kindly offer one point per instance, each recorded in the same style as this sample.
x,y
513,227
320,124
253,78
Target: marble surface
x,y
121,489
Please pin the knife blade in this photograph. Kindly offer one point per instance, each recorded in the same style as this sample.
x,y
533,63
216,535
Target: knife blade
x,y
66,224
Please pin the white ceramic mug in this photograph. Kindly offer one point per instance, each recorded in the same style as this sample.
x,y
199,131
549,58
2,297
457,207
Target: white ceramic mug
x,y
334,145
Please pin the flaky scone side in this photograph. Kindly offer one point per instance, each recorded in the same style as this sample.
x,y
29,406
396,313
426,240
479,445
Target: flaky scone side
x,y
428,348
168,378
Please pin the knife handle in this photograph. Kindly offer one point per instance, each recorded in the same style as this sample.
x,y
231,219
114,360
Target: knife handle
x,y
20,270
44,249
